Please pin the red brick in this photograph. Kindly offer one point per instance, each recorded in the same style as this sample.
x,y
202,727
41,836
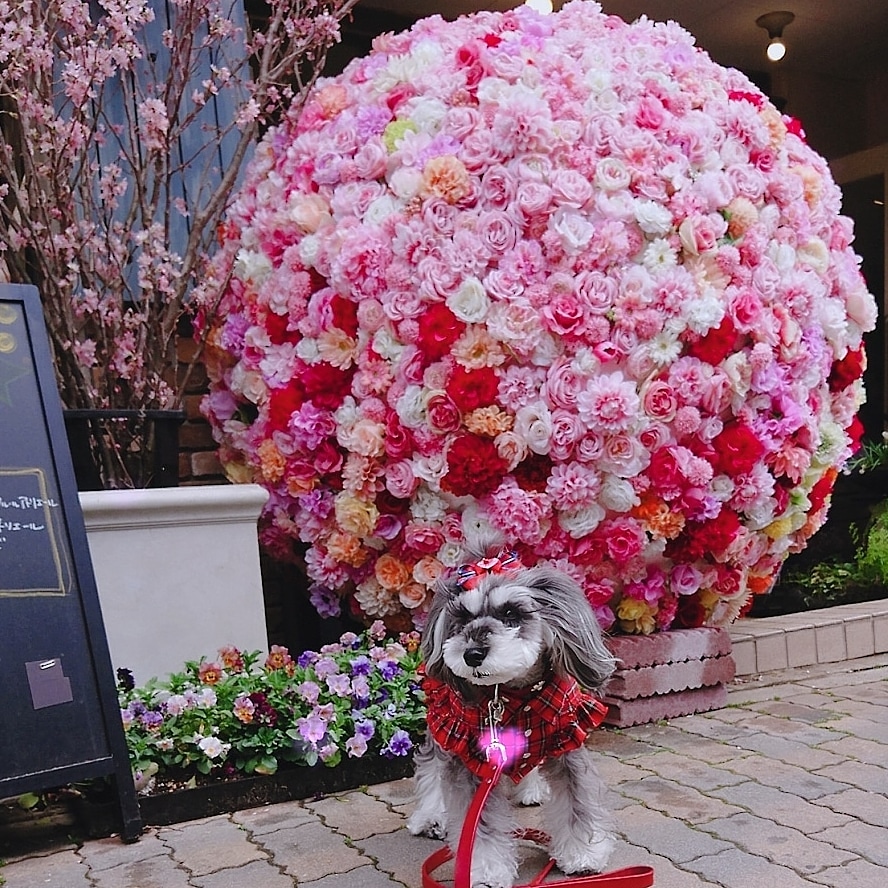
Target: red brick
x,y
624,713
664,678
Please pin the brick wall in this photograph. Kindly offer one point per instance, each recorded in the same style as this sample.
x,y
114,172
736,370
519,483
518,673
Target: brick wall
x,y
198,459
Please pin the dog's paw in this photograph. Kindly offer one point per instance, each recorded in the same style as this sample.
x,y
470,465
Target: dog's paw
x,y
574,856
493,874
532,790
421,823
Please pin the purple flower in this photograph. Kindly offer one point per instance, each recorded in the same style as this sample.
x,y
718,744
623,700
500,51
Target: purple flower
x,y
325,601
361,665
306,658
326,666
312,728
400,744
151,719
389,669
360,688
339,684
365,728
356,746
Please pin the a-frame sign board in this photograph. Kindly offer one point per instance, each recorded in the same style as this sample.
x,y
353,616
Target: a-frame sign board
x,y
59,715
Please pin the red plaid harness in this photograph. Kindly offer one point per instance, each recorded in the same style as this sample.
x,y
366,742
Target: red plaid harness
x,y
550,718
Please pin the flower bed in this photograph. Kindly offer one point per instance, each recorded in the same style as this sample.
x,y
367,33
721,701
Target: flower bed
x,y
218,721
562,275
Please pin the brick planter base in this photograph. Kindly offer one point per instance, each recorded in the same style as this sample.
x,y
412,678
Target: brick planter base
x,y
668,674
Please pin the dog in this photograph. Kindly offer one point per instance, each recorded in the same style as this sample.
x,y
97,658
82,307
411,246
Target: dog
x,y
524,641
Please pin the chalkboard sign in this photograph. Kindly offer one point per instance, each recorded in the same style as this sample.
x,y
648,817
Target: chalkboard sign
x,y
59,716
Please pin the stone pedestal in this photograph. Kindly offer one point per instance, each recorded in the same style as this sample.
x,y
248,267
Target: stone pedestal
x,y
673,673
177,570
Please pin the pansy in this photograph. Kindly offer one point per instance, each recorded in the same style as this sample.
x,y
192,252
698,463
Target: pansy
x,y
561,275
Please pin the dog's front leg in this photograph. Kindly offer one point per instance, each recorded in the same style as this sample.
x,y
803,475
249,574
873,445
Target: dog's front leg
x,y
582,833
429,818
494,857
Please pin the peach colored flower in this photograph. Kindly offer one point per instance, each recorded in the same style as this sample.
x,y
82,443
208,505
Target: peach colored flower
x,y
210,673
336,348
391,572
742,215
347,548
447,178
355,515
490,421
413,595
427,570
477,348
272,462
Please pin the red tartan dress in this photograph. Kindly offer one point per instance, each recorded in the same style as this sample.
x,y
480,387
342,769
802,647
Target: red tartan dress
x,y
553,716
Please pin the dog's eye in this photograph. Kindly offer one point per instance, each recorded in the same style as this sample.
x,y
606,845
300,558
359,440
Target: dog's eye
x,y
510,615
462,614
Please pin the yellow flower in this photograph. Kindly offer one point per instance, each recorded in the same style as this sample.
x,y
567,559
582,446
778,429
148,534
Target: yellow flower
x,y
354,515
394,132
636,617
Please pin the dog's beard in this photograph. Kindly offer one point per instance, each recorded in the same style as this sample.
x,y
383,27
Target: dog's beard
x,y
509,658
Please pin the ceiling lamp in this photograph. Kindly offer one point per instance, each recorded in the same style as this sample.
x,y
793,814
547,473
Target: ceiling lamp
x,y
543,6
774,23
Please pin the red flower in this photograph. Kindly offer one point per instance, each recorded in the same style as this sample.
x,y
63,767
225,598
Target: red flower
x,y
473,466
666,479
533,472
469,389
821,490
277,329
345,315
443,414
283,403
848,370
738,449
439,328
690,613
716,345
326,385
399,442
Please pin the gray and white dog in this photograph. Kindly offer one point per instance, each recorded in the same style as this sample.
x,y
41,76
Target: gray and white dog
x,y
527,638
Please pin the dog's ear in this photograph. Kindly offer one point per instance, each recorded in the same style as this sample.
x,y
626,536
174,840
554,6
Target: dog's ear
x,y
438,628
576,645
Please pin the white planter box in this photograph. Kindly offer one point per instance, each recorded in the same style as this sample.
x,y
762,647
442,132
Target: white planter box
x,y
177,571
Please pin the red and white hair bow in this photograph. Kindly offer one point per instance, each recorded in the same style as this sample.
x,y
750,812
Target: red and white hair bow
x,y
469,575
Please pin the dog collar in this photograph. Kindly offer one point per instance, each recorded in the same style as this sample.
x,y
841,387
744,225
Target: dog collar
x,y
469,575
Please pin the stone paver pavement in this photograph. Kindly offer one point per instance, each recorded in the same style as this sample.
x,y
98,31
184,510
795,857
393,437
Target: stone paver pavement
x,y
784,788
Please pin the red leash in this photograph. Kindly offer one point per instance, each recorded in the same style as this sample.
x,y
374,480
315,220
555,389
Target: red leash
x,y
628,877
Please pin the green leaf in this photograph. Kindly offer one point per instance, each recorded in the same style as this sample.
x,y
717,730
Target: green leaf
x,y
268,765
28,800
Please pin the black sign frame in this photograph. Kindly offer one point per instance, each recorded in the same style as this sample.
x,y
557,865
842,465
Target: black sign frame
x,y
59,713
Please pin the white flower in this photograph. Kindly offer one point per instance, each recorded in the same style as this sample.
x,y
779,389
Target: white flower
x,y
534,425
653,218
252,266
580,522
470,302
213,747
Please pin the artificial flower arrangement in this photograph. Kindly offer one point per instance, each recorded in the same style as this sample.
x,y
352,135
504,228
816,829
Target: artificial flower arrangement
x,y
561,275
241,715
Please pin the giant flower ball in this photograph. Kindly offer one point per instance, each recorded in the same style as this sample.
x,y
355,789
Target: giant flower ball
x,y
560,275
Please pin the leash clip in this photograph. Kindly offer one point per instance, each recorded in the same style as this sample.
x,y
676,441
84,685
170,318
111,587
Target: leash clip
x,y
495,710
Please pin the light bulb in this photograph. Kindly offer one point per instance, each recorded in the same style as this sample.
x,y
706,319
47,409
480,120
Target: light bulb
x,y
776,49
542,6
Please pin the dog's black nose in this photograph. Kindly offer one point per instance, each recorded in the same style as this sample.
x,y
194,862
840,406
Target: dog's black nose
x,y
474,655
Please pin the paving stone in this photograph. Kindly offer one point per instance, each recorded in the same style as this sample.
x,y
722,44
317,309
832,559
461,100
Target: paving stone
x,y
801,732
857,874
152,872
282,816
860,774
669,737
699,775
737,869
788,778
676,800
311,852
615,742
401,855
666,836
106,853
207,846
853,748
781,807
870,807
863,839
613,770
666,873
251,875
796,711
861,727
866,709
363,877
790,751
711,728
60,870
357,815
397,792
779,844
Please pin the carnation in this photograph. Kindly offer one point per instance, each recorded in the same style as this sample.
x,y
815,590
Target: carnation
x,y
608,308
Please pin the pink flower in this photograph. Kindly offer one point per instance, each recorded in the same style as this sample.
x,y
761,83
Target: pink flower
x,y
609,403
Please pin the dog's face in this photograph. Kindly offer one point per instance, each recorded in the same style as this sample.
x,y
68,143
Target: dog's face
x,y
509,628
496,634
